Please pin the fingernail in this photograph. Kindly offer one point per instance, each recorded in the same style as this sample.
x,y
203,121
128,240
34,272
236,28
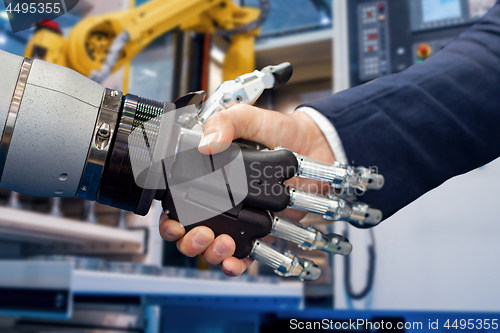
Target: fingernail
x,y
221,247
172,232
206,139
227,271
200,240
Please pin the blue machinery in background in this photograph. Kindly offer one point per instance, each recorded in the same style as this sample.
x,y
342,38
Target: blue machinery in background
x,y
388,36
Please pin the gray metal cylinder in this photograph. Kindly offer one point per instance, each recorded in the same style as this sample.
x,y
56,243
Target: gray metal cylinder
x,y
53,129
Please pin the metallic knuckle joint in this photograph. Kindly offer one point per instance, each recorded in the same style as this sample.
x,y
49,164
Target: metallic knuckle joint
x,y
335,209
370,179
245,89
330,243
339,175
362,215
285,264
214,104
310,238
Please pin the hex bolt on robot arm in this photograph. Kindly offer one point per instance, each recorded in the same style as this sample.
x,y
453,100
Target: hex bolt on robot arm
x,y
65,135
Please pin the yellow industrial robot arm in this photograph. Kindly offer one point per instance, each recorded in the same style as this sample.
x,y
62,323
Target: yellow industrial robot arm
x,y
88,45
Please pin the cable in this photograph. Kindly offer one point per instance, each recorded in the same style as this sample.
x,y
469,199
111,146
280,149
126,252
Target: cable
x,y
370,274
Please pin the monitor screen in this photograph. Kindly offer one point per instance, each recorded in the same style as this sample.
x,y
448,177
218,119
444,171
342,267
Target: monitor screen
x,y
439,10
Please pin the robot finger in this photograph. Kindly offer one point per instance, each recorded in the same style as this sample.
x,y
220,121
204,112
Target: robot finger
x,y
333,208
339,175
285,264
310,238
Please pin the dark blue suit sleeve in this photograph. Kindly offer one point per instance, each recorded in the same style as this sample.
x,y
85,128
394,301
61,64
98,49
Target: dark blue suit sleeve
x,y
433,121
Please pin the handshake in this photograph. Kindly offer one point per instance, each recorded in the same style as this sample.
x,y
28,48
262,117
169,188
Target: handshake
x,y
226,184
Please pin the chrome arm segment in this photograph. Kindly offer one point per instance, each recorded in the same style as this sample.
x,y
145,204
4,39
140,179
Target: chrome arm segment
x,y
310,238
285,264
335,209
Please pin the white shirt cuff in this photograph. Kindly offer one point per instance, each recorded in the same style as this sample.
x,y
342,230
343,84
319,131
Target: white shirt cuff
x,y
329,132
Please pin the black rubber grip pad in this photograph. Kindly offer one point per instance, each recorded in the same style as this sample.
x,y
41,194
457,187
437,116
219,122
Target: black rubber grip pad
x,y
248,219
266,172
250,224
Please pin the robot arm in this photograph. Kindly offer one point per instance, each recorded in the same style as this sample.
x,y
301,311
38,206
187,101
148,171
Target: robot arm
x,y
65,135
99,45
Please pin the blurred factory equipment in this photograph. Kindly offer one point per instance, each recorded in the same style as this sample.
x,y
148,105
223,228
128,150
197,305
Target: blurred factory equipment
x,y
89,212
67,287
63,272
387,36
122,222
55,206
14,200
99,45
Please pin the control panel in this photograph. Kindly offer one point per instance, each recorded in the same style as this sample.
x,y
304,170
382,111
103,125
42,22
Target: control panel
x,y
373,39
388,36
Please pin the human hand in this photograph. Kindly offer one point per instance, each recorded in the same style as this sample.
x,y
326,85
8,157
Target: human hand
x,y
297,132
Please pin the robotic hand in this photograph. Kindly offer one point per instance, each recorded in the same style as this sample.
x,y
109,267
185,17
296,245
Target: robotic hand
x,y
65,135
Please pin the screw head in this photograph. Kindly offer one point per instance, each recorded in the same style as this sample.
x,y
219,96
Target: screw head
x,y
83,188
104,131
